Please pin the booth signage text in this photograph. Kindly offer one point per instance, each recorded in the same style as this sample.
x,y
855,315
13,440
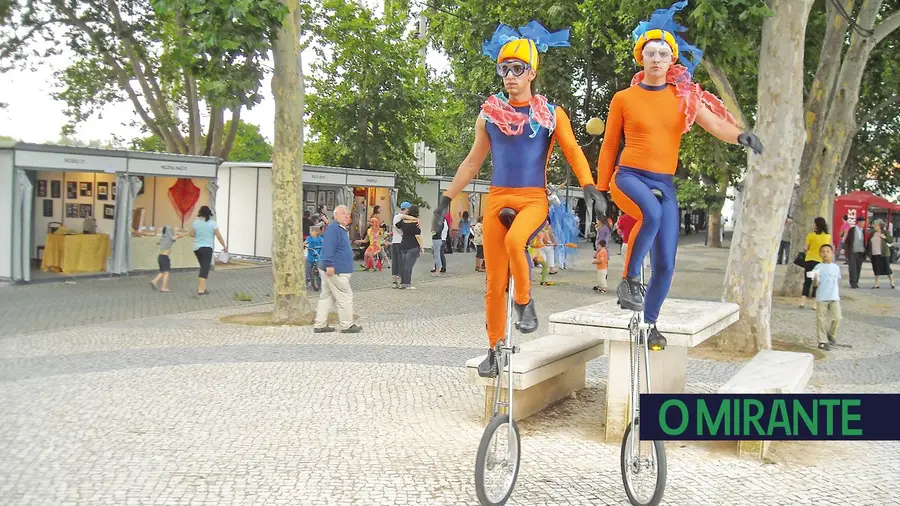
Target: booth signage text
x,y
66,161
324,178
379,181
446,184
171,168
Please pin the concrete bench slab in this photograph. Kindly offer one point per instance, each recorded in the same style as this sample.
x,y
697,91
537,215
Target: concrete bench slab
x,y
685,323
769,372
772,372
545,370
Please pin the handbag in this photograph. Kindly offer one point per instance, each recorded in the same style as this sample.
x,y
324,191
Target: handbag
x,y
800,259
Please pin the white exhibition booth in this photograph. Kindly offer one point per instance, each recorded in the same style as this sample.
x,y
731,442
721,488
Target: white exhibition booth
x,y
244,204
48,188
471,199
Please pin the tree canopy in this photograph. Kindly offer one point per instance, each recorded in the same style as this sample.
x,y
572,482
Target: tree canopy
x,y
167,58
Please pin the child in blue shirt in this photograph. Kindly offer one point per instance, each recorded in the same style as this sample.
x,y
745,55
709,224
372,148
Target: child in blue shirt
x,y
314,248
826,277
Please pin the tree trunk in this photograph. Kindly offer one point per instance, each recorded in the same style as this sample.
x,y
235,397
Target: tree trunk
x,y
714,228
750,273
288,264
831,120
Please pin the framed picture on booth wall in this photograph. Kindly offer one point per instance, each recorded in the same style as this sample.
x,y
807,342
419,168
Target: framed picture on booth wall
x,y
109,211
321,197
71,191
48,208
112,190
311,197
85,210
329,200
42,188
71,210
55,189
102,189
86,190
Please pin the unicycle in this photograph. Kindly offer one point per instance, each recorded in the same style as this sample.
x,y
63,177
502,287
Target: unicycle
x,y
497,462
643,462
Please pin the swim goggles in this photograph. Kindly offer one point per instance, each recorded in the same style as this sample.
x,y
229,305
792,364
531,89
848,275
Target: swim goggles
x,y
517,68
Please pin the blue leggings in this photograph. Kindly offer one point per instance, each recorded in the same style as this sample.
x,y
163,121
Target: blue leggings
x,y
656,231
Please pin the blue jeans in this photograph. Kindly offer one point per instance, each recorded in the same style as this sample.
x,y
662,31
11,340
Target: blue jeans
x,y
656,231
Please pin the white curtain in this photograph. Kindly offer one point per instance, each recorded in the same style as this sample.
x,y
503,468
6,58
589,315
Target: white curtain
x,y
22,215
127,188
393,208
344,196
213,187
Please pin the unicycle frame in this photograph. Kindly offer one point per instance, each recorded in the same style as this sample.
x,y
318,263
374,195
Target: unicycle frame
x,y
639,333
633,462
504,360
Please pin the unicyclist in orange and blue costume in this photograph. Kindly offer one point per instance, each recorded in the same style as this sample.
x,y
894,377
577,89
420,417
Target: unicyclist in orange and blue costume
x,y
651,115
519,129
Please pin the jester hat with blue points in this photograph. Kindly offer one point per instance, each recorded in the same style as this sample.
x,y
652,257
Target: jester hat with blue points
x,y
523,44
662,26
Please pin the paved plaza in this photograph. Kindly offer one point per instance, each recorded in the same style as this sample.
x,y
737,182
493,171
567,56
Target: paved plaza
x,y
114,394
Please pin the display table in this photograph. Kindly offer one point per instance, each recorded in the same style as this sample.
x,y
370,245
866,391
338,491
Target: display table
x,y
71,254
145,250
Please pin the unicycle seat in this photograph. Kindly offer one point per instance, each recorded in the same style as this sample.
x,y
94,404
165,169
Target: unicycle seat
x,y
507,215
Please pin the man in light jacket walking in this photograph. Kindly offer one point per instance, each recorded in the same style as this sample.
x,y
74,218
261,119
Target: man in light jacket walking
x,y
336,266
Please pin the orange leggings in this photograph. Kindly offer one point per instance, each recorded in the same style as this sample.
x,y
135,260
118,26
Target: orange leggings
x,y
506,249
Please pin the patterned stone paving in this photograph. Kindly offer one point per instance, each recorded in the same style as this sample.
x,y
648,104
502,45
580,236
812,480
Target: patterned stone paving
x,y
114,394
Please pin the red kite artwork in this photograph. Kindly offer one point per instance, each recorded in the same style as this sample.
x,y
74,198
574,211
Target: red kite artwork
x,y
184,195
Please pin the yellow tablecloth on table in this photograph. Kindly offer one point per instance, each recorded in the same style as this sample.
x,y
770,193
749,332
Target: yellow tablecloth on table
x,y
75,253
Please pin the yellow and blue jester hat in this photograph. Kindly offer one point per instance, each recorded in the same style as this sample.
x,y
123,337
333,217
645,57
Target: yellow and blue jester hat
x,y
662,26
523,44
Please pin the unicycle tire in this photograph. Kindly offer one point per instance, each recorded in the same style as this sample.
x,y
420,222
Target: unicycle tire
x,y
488,497
660,486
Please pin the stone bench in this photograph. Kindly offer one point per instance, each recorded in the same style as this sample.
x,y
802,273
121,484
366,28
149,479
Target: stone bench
x,y
685,323
769,372
545,370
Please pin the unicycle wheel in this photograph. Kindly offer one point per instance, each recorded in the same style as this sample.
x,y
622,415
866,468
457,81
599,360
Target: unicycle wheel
x,y
643,472
497,462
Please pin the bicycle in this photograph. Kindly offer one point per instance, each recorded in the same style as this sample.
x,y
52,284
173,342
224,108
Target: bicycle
x,y
489,496
634,464
315,279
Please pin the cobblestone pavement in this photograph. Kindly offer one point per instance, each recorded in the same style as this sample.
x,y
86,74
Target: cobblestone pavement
x,y
164,404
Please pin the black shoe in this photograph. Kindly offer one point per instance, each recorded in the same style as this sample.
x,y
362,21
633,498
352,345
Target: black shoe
x,y
443,270
528,321
825,346
831,339
630,294
319,330
656,341
488,367
352,329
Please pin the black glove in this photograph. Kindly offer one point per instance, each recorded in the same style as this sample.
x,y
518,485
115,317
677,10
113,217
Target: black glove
x,y
437,223
750,140
600,204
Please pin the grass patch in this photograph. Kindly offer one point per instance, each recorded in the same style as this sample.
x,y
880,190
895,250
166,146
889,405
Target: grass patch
x,y
243,297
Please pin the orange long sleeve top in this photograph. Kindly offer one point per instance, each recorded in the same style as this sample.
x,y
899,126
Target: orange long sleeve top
x,y
652,120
